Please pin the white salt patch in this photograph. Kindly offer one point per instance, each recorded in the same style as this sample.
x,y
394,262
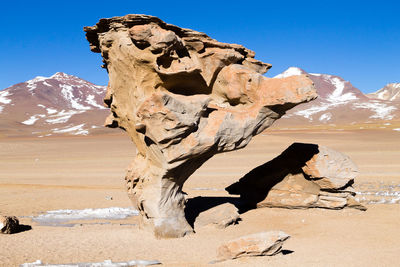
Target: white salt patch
x,y
381,110
42,106
90,100
388,123
206,189
60,216
396,129
33,119
106,263
292,71
3,97
67,92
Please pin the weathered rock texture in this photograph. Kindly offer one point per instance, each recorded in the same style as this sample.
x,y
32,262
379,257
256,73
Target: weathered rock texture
x,y
259,244
183,97
9,224
220,216
303,176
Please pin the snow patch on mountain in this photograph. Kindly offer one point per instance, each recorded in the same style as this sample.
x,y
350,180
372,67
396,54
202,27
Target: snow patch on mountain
x,y
337,95
51,110
90,101
62,116
32,84
3,97
381,110
390,92
75,130
33,119
68,93
325,116
292,71
307,113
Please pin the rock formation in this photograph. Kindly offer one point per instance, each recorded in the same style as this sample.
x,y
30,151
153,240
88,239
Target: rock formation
x,y
220,216
9,224
303,176
259,244
183,97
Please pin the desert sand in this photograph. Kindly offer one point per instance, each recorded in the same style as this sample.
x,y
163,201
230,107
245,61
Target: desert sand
x,y
42,174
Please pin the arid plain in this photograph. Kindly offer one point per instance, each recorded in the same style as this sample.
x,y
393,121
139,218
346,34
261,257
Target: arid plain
x,y
53,173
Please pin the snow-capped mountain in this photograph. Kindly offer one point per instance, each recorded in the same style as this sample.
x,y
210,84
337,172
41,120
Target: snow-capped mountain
x,y
338,103
45,106
390,92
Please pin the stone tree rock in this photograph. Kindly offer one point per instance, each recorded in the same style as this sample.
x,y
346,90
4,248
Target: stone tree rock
x,y
183,97
303,176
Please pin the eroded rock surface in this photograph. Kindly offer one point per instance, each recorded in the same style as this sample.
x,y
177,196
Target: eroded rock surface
x,y
303,176
220,216
259,244
183,97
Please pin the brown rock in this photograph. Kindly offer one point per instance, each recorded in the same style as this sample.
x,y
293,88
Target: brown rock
x,y
330,169
303,176
220,216
8,224
183,97
259,244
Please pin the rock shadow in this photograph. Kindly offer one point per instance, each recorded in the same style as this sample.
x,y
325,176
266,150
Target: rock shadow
x,y
197,205
23,228
255,185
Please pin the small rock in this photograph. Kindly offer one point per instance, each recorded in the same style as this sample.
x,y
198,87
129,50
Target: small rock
x,y
8,224
259,244
220,216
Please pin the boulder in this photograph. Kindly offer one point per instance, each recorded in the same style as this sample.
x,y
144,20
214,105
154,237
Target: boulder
x,y
303,176
183,97
220,216
259,244
9,224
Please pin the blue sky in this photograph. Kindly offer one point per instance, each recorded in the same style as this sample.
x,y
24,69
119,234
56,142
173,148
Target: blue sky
x,y
358,40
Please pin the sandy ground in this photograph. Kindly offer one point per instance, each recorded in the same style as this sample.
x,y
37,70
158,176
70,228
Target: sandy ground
x,y
41,174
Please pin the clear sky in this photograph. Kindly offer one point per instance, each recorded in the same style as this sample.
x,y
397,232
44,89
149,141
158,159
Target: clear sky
x,y
357,40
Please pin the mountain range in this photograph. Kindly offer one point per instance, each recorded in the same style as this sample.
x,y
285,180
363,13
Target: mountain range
x,y
64,104
340,104
56,105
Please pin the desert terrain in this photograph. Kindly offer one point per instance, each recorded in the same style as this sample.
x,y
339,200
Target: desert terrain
x,y
80,172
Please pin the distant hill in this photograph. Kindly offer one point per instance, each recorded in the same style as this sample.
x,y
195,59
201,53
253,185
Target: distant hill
x,y
338,103
58,105
67,105
390,92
